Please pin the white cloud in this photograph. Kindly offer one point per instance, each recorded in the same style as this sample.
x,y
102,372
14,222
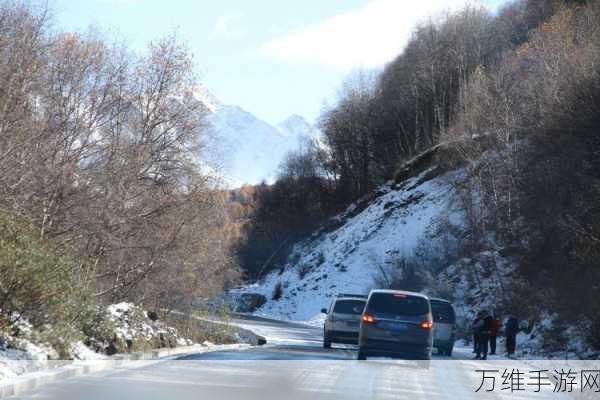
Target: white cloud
x,y
365,37
228,26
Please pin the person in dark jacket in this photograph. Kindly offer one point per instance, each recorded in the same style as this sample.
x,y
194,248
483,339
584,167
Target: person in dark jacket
x,y
484,330
496,325
510,330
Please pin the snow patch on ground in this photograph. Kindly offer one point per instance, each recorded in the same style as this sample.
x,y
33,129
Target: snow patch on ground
x,y
318,321
23,349
133,323
10,369
80,351
23,354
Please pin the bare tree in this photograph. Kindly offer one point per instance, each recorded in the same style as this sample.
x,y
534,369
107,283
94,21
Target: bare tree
x,y
99,147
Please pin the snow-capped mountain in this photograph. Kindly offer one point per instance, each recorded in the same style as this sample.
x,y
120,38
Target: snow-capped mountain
x,y
244,148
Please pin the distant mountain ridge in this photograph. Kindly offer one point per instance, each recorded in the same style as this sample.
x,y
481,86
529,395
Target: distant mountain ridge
x,y
243,148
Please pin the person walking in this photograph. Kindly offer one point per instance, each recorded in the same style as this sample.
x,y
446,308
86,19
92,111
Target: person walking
x,y
484,330
510,330
495,329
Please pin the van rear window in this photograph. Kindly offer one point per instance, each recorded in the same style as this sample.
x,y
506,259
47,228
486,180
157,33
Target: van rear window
x,y
442,312
349,306
389,303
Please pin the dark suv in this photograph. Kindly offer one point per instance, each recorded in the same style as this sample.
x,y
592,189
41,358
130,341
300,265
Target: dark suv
x,y
396,324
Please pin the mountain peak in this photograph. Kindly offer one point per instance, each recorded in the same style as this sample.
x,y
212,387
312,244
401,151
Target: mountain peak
x,y
295,119
242,147
296,126
207,98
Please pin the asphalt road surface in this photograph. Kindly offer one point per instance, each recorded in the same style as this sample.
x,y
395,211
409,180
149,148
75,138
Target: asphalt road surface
x,y
293,365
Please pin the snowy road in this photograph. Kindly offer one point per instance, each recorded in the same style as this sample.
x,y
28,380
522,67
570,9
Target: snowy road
x,y
292,365
285,341
295,341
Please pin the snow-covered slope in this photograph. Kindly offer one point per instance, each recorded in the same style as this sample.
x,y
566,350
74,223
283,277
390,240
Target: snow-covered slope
x,y
420,223
351,252
244,148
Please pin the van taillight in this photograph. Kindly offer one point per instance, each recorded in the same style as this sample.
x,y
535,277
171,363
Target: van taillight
x,y
368,319
427,325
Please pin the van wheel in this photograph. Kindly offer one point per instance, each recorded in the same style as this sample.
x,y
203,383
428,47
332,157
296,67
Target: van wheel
x,y
326,341
362,355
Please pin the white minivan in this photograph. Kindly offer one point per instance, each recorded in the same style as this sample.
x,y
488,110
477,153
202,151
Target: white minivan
x,y
444,326
343,319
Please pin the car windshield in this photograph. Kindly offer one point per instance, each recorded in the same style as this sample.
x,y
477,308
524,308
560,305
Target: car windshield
x,y
442,312
398,304
349,306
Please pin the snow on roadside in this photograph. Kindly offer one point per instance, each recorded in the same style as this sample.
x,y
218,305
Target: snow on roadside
x,y
11,365
23,354
80,351
12,359
318,321
132,323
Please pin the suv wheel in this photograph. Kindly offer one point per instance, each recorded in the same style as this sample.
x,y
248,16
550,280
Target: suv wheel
x,y
362,355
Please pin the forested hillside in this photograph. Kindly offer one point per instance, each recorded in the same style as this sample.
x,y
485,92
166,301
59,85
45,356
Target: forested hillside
x,y
513,99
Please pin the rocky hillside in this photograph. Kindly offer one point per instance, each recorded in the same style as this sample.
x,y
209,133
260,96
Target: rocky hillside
x,y
402,235
360,249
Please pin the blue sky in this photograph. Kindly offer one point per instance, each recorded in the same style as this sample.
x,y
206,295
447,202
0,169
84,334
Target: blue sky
x,y
272,57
